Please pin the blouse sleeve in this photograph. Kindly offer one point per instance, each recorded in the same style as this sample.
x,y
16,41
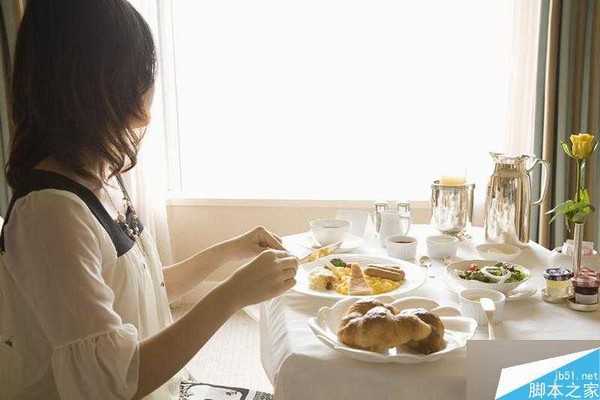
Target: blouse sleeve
x,y
53,254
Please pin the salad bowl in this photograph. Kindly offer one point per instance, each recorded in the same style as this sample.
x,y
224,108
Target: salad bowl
x,y
502,276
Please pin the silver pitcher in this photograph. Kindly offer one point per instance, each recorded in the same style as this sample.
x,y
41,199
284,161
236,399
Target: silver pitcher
x,y
508,201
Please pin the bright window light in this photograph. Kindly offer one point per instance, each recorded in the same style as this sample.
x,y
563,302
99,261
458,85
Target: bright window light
x,y
339,99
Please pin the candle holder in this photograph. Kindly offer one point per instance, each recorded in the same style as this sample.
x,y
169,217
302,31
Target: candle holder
x,y
452,208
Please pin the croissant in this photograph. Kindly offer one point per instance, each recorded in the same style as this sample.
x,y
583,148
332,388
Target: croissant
x,y
371,325
435,341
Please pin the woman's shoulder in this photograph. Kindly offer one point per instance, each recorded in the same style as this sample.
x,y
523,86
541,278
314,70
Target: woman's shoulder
x,y
54,203
45,202
53,208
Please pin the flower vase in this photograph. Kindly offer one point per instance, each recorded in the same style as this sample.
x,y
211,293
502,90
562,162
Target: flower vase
x,y
577,247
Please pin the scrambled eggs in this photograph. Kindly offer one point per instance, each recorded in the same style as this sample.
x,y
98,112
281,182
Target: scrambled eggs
x,y
379,285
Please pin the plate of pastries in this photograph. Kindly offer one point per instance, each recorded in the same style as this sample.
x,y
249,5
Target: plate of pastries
x,y
343,276
387,330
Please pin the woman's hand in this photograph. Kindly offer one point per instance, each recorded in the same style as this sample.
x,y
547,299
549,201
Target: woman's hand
x,y
161,355
270,274
254,242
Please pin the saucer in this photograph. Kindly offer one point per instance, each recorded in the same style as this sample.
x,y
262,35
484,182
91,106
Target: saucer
x,y
554,300
350,243
582,307
523,292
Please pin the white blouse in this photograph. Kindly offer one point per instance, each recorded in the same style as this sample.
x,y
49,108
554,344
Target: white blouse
x,y
73,309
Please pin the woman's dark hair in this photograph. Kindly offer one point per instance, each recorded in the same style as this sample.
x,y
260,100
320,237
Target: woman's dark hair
x,y
81,70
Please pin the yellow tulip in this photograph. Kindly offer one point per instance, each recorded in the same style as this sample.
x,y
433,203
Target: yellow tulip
x,y
583,145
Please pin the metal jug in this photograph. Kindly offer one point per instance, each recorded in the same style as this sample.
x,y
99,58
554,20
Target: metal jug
x,y
508,201
452,208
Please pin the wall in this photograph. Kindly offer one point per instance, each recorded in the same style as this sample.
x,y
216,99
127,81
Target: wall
x,y
196,224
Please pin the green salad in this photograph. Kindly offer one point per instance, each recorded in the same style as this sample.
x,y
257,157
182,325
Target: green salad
x,y
497,273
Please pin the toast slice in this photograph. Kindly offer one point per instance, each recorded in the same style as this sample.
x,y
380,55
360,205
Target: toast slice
x,y
358,285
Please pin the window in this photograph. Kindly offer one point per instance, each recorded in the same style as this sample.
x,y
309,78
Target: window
x,y
339,99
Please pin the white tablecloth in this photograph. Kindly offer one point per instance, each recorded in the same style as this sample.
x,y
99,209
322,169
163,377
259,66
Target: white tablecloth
x,y
301,367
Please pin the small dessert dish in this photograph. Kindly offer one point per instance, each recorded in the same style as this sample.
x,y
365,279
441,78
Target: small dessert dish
x,y
498,251
441,246
402,247
558,284
329,231
587,248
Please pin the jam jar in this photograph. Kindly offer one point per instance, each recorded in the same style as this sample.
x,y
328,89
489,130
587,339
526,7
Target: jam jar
x,y
586,285
558,282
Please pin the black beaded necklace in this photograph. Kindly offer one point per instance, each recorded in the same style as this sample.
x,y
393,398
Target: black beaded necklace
x,y
129,223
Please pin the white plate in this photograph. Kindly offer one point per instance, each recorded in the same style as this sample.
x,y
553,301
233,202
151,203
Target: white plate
x,y
351,242
415,276
513,291
458,330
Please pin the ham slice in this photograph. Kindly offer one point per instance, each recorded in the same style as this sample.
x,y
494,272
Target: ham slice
x,y
358,286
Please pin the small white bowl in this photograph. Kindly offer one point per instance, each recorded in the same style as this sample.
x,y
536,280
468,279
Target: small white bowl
x,y
402,247
329,231
498,251
470,306
442,246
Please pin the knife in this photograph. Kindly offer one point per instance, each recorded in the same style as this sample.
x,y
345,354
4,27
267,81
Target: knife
x,y
305,255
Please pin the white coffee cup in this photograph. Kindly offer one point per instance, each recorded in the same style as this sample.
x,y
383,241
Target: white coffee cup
x,y
402,247
471,307
329,231
441,246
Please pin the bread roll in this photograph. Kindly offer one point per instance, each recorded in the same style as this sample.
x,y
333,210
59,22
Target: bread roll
x,y
370,325
435,341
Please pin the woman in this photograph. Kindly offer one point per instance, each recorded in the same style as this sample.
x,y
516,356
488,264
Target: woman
x,y
84,301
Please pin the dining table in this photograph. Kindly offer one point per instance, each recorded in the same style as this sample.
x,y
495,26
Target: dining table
x,y
301,367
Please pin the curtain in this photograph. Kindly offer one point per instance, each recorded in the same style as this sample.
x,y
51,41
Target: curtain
x,y
523,86
147,182
569,98
523,113
10,15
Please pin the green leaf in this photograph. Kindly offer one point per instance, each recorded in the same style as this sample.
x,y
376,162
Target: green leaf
x,y
554,218
567,207
568,226
566,149
584,196
579,218
552,211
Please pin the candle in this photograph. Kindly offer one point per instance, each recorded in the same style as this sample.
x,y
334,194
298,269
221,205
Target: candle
x,y
452,180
